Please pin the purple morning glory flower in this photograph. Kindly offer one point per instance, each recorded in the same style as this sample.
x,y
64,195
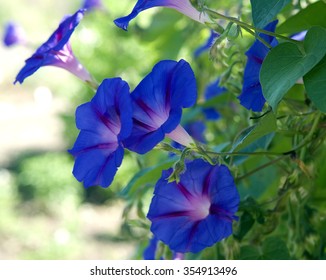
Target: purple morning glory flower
x,y
213,89
183,6
93,5
251,96
104,123
208,44
13,35
56,51
196,212
157,105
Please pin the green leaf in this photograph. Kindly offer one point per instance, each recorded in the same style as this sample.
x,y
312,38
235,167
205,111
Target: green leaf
x,y
264,11
245,224
315,84
249,253
313,15
274,248
287,62
145,176
266,125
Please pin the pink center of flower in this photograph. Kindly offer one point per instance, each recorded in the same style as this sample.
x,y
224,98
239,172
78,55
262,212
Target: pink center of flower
x,y
201,208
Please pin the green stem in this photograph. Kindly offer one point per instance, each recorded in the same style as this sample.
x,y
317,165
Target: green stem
x,y
308,138
257,37
246,26
260,168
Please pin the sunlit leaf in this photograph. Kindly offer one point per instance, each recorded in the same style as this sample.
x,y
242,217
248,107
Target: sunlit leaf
x,y
313,15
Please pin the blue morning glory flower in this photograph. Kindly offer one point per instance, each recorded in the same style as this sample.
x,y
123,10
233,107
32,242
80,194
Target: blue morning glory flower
x,y
213,89
157,105
196,212
150,250
90,5
56,51
251,96
183,6
208,44
13,35
104,123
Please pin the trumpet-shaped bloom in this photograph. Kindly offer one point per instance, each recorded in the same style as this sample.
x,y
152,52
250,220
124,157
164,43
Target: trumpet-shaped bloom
x,y
183,6
13,35
104,123
196,212
56,51
212,90
251,96
157,105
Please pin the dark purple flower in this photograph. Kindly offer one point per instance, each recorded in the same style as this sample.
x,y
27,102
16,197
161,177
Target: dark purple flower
x,y
208,44
212,90
56,51
183,6
196,212
13,35
157,105
104,123
251,96
90,5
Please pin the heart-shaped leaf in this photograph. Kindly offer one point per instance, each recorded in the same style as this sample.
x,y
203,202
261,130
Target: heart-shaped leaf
x,y
288,62
264,11
315,84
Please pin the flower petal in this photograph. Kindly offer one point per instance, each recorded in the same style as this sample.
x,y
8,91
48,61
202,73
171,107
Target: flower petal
x,y
197,211
158,101
48,53
183,6
104,122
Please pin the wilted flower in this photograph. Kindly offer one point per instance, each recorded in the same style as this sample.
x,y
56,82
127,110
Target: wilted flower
x,y
157,105
197,211
56,51
251,96
13,34
104,123
183,6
